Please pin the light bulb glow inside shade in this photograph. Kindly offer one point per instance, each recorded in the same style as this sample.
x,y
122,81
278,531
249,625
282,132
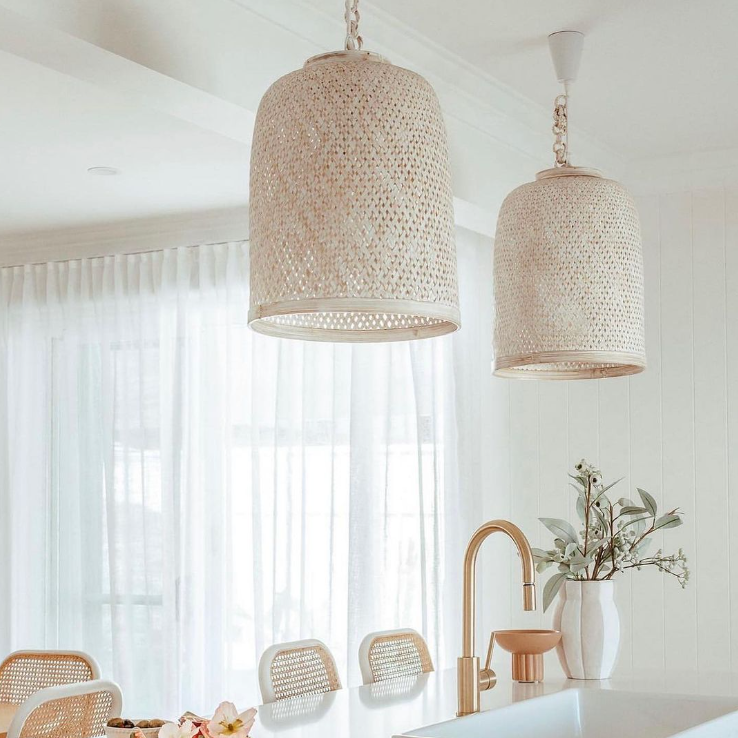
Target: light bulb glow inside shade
x,y
568,279
351,210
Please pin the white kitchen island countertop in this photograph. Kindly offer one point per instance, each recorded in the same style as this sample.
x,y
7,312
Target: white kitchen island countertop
x,y
398,706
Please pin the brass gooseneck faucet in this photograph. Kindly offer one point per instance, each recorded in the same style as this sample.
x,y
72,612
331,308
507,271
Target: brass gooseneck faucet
x,y
472,680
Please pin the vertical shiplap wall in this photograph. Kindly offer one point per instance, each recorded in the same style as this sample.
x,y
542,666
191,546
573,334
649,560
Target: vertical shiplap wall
x,y
672,430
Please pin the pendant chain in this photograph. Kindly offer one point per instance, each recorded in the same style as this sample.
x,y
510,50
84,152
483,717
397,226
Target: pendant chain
x,y
353,40
560,131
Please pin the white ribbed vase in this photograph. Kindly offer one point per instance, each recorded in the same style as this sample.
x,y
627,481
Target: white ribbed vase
x,y
588,619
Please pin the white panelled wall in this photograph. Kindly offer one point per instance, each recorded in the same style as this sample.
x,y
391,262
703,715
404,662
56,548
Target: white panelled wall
x,y
672,431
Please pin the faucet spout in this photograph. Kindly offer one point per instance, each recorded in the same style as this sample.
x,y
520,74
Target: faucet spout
x,y
470,680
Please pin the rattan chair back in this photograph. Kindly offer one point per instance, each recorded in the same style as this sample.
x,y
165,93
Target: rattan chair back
x,y
297,668
25,672
393,653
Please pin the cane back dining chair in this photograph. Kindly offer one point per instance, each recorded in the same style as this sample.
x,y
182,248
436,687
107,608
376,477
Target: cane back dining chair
x,y
78,710
297,668
393,653
23,673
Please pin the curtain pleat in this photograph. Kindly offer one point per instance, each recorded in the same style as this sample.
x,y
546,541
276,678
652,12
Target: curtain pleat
x,y
178,492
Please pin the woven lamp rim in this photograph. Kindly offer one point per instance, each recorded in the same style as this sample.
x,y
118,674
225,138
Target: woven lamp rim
x,y
611,364
447,317
569,171
353,55
562,173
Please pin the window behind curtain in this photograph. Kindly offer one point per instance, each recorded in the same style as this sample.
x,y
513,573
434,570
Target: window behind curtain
x,y
185,492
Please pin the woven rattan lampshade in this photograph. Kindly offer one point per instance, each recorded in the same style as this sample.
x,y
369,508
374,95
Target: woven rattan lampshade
x,y
351,211
568,279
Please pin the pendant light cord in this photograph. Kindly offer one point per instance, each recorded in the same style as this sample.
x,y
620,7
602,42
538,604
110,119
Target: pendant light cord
x,y
354,42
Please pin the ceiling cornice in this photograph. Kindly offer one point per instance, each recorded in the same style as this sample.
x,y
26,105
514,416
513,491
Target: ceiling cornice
x,y
126,237
684,172
177,229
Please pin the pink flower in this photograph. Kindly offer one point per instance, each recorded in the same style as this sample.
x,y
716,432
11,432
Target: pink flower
x,y
172,730
227,721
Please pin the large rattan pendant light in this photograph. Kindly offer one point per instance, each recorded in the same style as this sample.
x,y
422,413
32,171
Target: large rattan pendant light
x,y
568,269
351,211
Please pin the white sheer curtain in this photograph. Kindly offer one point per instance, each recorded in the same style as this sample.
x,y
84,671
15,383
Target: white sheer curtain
x,y
178,492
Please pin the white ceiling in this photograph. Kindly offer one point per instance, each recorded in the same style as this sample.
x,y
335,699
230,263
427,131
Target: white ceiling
x,y
166,90
55,127
658,76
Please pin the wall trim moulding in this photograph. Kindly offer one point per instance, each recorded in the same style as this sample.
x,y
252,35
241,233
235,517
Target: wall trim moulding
x,y
683,172
125,237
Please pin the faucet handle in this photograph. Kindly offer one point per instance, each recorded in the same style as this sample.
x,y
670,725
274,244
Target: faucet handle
x,y
490,648
487,677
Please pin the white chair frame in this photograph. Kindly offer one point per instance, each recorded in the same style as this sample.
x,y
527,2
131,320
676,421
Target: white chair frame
x,y
51,694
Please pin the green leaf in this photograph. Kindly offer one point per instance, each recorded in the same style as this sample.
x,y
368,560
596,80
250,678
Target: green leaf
x,y
570,549
561,529
648,502
541,566
667,521
612,484
639,523
579,562
633,510
553,585
580,507
625,502
640,526
539,553
604,520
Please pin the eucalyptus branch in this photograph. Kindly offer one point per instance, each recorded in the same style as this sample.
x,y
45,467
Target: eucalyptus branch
x,y
613,539
612,548
587,505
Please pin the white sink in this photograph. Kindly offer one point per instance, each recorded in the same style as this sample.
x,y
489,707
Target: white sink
x,y
597,713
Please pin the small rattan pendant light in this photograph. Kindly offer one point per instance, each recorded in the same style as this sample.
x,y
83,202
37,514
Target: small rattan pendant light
x,y
351,211
568,268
